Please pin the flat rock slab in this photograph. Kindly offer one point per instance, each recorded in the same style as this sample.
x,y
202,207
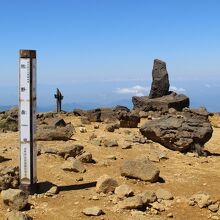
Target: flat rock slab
x,y
93,211
63,151
140,169
164,103
134,202
181,131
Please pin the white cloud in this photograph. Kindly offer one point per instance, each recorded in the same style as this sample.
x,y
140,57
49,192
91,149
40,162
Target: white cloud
x,y
178,90
207,85
141,91
135,90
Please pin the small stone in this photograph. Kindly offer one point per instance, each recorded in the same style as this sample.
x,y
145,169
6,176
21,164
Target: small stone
x,y
164,194
86,157
106,184
213,207
79,179
172,110
126,145
15,198
52,191
111,157
215,217
134,202
73,165
153,156
15,215
96,141
104,163
93,136
190,154
83,130
159,207
93,211
96,126
110,143
112,127
148,196
170,215
123,191
95,198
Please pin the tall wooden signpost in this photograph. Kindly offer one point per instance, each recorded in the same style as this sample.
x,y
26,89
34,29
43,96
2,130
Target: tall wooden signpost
x,y
27,120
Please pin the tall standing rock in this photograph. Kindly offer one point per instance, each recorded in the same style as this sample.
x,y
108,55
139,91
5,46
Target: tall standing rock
x,y
160,85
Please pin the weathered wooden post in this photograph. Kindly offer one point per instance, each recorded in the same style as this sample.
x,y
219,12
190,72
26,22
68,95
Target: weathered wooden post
x,y
58,96
27,120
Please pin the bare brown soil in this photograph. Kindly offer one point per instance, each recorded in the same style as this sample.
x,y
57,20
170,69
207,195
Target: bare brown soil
x,y
183,176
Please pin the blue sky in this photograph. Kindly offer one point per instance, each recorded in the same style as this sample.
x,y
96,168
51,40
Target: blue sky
x,y
85,46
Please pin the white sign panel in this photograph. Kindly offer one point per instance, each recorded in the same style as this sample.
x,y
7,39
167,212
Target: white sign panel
x,y
24,79
27,96
25,163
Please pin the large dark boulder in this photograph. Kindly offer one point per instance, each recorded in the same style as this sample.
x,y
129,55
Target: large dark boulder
x,y
181,131
160,85
129,120
172,100
101,115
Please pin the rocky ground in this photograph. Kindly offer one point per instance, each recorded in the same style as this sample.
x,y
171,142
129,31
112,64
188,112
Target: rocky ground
x,y
181,176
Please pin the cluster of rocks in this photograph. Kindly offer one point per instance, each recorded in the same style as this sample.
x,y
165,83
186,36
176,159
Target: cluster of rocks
x,y
204,200
102,141
119,115
51,127
176,126
123,197
75,156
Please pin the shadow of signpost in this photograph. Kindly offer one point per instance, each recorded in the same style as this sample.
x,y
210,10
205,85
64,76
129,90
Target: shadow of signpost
x,y
43,187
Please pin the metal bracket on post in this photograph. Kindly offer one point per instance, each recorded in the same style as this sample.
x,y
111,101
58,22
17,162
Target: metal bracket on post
x,y
58,96
27,121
